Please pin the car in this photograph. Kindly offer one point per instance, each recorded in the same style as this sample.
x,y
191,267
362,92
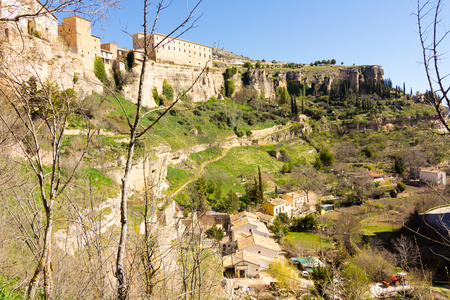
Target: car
x,y
305,273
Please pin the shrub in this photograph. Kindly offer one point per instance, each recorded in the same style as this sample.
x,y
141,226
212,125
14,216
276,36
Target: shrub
x,y
215,233
230,88
401,187
167,90
247,65
159,100
99,70
326,157
129,60
393,193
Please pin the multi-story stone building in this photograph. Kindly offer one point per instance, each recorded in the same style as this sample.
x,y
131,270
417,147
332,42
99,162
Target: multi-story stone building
x,y
36,20
76,32
174,50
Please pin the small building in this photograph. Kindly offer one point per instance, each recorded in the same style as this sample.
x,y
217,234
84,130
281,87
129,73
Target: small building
x,y
247,223
434,175
276,206
210,218
307,263
377,177
244,264
295,199
324,208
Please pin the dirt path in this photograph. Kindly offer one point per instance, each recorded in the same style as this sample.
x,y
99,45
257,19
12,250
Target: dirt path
x,y
202,169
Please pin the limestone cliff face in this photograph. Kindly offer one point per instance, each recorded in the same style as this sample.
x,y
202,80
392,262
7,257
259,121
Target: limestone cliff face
x,y
265,80
268,81
179,77
27,56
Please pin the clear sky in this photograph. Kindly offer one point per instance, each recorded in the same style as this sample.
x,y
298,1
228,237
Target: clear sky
x,y
360,32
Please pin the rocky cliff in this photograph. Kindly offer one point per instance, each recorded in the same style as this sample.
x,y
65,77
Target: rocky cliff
x,y
263,80
268,80
179,77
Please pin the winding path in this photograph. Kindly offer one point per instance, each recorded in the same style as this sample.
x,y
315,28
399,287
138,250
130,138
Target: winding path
x,y
202,169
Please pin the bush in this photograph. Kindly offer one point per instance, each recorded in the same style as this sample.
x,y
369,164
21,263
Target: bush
x,y
230,88
401,187
167,90
99,69
393,193
129,60
215,233
159,100
247,65
326,157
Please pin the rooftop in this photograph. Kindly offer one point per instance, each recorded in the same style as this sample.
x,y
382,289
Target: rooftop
x,y
259,240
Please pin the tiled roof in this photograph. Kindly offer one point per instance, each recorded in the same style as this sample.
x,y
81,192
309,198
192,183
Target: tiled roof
x,y
264,216
242,214
296,194
277,201
243,256
259,240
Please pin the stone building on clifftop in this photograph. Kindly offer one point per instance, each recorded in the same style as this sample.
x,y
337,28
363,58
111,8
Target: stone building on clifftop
x,y
76,32
174,50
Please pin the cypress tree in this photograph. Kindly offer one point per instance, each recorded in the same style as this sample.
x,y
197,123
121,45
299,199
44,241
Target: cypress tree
x,y
260,187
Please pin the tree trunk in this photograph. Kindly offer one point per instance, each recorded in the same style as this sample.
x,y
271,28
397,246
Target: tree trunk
x,y
122,289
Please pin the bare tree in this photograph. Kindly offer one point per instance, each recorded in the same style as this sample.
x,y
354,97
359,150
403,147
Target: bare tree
x,y
42,110
137,132
434,37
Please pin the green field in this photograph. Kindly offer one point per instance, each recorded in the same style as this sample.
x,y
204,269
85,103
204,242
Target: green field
x,y
311,241
239,163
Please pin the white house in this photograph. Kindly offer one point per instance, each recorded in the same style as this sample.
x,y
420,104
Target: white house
x,y
433,175
248,223
244,264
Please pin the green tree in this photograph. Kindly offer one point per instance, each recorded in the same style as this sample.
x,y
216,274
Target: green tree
x,y
230,88
327,157
231,203
399,165
247,65
99,70
258,65
318,164
401,187
167,91
129,60
215,233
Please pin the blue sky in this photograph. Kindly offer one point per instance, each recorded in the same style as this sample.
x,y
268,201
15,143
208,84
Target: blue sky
x,y
361,32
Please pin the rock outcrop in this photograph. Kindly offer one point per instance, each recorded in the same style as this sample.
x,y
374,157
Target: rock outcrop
x,y
179,77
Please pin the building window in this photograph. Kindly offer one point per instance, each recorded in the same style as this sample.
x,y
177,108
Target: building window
x,y
168,47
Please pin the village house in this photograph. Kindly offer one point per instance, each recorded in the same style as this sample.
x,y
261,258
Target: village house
x,y
295,199
254,243
174,50
434,175
246,223
245,264
44,25
377,177
276,206
210,218
76,32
